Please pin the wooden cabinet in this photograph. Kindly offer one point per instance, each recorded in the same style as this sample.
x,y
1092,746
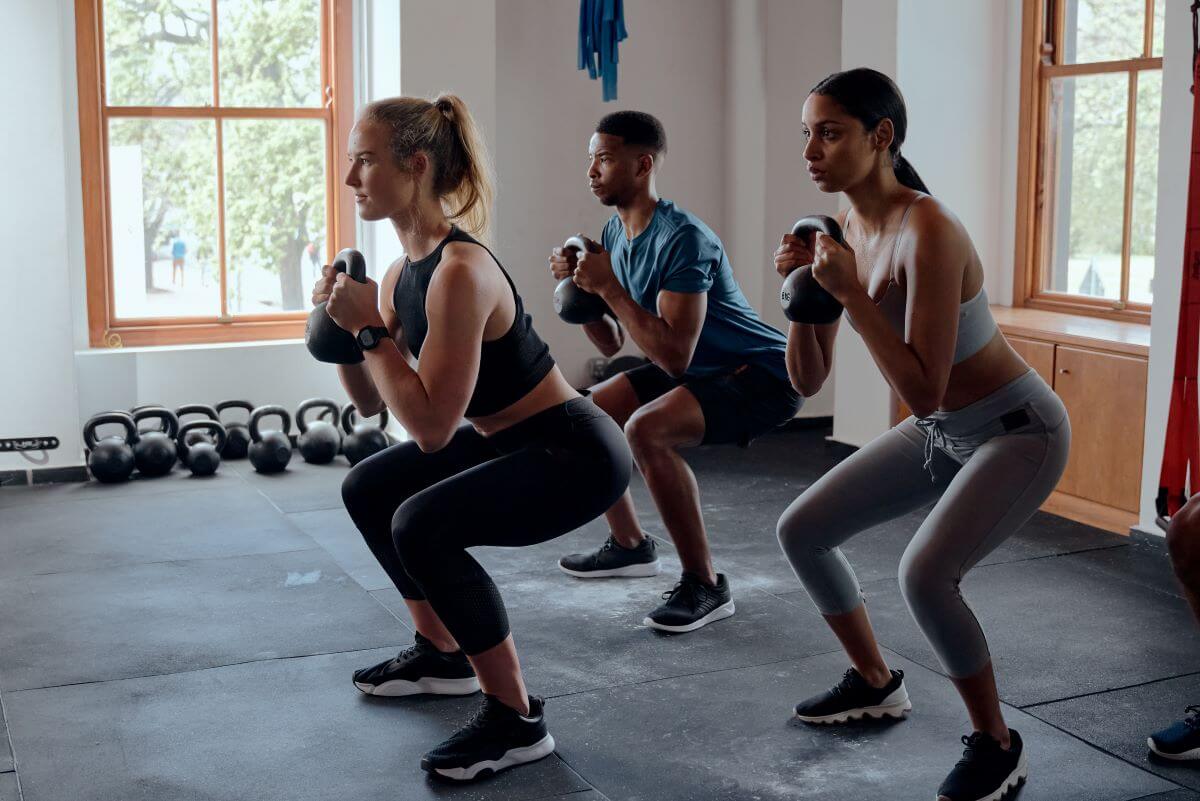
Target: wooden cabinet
x,y
1105,396
1098,367
1038,355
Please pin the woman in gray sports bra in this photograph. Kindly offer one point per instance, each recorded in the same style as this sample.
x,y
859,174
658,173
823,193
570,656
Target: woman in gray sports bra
x,y
988,440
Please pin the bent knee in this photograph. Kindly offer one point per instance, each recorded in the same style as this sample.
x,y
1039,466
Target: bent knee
x,y
647,430
801,530
924,582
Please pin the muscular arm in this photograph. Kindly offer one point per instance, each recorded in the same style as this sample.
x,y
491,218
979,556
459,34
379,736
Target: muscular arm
x,y
356,378
918,364
810,355
606,334
669,338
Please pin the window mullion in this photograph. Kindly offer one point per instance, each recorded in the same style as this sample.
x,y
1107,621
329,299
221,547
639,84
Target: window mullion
x,y
220,140
1127,215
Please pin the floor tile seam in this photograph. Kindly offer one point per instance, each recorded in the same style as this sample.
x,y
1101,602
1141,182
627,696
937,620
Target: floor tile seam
x,y
714,671
1122,688
11,691
590,787
314,547
1105,751
12,751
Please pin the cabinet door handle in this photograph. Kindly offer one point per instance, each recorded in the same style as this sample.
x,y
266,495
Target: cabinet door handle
x,y
1064,371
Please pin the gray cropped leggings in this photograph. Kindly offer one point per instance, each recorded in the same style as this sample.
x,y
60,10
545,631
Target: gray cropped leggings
x,y
989,465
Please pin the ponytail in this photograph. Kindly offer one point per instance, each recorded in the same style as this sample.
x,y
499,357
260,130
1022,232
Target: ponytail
x,y
907,176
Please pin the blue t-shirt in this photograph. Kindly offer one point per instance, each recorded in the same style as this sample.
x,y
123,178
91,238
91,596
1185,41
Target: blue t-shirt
x,y
178,249
679,253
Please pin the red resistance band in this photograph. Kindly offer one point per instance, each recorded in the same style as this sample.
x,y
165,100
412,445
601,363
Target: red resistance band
x,y
1181,451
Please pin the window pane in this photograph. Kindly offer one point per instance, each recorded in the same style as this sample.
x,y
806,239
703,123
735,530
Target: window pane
x,y
158,54
270,52
1103,30
162,203
1159,22
274,213
1085,184
1145,187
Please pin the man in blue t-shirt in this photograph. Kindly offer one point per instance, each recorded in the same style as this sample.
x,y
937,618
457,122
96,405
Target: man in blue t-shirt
x,y
716,373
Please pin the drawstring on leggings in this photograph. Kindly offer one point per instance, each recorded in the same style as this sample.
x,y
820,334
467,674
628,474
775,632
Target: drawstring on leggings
x,y
935,437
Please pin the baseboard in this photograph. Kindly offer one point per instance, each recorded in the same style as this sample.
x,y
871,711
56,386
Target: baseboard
x,y
14,478
43,475
1090,513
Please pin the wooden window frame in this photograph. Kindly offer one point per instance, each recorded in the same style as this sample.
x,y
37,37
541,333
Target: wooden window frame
x,y
1042,32
104,329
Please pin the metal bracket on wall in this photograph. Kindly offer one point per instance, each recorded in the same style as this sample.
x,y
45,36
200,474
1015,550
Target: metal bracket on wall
x,y
29,444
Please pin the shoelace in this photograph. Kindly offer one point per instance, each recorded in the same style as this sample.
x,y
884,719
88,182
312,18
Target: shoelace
x,y
845,685
1192,721
687,584
975,743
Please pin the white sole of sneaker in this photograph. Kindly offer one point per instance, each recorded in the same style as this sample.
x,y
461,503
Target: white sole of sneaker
x,y
427,686
898,711
517,756
1184,756
720,613
1014,780
896,705
644,570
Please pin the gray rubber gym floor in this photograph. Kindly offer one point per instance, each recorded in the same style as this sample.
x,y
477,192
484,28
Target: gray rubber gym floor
x,y
193,639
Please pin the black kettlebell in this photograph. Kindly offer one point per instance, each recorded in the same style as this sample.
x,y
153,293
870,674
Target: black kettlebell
x,y
110,459
363,439
804,300
326,340
572,304
270,451
154,452
200,442
319,441
237,435
196,433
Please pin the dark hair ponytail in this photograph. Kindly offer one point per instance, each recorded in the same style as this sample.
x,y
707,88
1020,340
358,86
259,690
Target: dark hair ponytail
x,y
871,97
906,175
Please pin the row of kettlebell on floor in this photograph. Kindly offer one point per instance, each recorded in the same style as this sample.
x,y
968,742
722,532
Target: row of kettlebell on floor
x,y
201,444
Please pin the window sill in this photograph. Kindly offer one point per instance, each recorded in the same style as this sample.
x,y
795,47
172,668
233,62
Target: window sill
x,y
199,346
1075,329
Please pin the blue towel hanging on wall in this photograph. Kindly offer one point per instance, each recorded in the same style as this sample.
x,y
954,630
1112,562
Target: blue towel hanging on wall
x,y
601,27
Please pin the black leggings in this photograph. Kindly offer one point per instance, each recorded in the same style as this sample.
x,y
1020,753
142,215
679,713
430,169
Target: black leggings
x,y
531,482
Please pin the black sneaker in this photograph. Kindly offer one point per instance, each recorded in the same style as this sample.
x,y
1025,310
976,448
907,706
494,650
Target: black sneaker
x,y
496,738
613,559
691,604
986,771
1180,741
419,668
853,698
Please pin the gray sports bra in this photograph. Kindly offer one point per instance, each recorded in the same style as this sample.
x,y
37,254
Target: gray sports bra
x,y
976,326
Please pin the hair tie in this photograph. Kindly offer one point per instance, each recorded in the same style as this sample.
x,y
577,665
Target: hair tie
x,y
444,105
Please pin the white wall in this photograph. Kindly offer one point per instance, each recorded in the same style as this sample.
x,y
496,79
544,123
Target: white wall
x,y
776,50
861,396
1173,165
672,65
39,398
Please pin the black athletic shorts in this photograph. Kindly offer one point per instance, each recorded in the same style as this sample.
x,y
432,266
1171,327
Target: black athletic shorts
x,y
738,406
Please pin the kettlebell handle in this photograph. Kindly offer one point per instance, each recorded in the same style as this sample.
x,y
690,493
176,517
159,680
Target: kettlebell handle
x,y
263,411
198,425
348,413
170,423
120,418
313,403
818,223
351,262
